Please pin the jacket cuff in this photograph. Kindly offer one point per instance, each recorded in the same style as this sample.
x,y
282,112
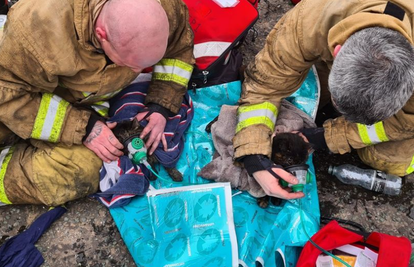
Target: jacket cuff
x,y
91,122
253,140
255,163
335,135
153,107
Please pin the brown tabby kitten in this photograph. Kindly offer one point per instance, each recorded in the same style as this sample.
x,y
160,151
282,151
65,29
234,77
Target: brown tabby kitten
x,y
287,149
125,131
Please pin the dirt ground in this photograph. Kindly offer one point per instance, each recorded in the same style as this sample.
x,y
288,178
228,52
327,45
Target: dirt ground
x,y
87,236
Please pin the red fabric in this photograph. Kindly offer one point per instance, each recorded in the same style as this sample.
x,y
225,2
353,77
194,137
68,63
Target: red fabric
x,y
212,23
295,1
393,251
255,2
329,237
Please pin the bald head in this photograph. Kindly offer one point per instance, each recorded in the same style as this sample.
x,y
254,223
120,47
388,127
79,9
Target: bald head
x,y
137,31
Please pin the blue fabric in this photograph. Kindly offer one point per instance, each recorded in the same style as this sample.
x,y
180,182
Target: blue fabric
x,y
120,181
130,102
19,251
271,237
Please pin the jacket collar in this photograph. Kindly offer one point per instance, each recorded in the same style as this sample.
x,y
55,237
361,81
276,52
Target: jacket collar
x,y
340,32
85,14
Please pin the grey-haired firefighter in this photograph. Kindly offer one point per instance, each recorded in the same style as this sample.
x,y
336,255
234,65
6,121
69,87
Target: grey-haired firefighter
x,y
60,59
363,51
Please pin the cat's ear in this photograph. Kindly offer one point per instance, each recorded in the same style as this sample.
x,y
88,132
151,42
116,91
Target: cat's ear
x,y
135,123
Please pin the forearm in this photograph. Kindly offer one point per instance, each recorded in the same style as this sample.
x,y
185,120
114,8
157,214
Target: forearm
x,y
42,116
341,136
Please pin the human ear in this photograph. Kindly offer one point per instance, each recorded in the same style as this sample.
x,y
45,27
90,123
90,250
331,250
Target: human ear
x,y
100,34
336,50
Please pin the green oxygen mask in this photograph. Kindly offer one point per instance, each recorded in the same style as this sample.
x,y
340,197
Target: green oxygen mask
x,y
301,173
137,151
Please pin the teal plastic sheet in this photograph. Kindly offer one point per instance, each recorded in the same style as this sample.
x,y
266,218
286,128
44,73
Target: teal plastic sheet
x,y
184,226
275,236
164,228
198,146
307,96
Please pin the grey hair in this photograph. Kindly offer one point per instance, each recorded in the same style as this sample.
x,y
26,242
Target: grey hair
x,y
372,76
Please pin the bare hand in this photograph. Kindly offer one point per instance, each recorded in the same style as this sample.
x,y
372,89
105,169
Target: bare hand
x,y
270,184
103,142
155,129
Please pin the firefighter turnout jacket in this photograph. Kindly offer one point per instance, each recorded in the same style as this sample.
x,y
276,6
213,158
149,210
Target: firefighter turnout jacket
x,y
52,70
306,36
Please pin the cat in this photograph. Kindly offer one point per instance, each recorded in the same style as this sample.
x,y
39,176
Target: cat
x,y
126,130
287,149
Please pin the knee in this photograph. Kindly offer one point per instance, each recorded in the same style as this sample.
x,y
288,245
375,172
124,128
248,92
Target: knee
x,y
66,174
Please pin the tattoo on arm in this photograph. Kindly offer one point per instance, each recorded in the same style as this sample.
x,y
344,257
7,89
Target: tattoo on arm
x,y
96,131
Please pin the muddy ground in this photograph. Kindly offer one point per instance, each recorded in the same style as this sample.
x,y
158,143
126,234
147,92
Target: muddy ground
x,y
87,236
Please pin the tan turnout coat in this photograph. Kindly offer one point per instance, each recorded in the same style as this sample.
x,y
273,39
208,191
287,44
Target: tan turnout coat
x,y
305,36
48,47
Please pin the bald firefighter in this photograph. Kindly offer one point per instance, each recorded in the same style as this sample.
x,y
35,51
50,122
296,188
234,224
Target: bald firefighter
x,y
60,61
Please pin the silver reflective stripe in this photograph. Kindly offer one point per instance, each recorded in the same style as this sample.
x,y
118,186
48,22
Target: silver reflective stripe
x,y
142,77
210,49
49,118
172,69
257,113
102,107
372,133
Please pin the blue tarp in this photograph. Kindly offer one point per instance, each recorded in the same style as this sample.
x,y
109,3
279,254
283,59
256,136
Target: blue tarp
x,y
192,223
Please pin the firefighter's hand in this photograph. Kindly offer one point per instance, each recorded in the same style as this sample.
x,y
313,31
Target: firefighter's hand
x,y
103,142
271,186
155,129
259,166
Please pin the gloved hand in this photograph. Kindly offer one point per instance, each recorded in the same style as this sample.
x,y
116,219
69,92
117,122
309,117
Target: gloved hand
x,y
267,174
315,137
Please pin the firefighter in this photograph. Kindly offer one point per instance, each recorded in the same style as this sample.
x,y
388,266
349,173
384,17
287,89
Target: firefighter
x,y
363,51
60,61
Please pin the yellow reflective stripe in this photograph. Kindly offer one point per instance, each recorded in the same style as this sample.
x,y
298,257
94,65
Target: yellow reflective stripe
x,y
264,105
5,156
49,118
256,120
111,94
102,103
102,107
411,167
363,134
263,113
372,134
103,111
89,95
173,70
380,131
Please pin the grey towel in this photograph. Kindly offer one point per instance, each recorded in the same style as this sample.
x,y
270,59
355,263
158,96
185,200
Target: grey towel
x,y
222,168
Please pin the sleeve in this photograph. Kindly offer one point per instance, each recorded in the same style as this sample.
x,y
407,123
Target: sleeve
x,y
342,135
28,106
172,74
277,71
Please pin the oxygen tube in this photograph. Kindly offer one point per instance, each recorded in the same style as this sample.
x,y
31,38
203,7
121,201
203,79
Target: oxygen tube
x,y
137,152
138,155
301,215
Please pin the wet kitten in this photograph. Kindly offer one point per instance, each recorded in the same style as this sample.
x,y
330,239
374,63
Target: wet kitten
x,y
287,149
125,131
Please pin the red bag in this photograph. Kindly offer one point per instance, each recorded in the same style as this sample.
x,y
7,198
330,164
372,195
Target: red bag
x,y
217,30
392,251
